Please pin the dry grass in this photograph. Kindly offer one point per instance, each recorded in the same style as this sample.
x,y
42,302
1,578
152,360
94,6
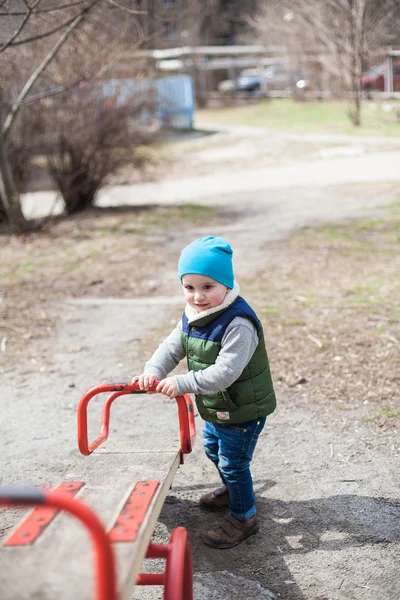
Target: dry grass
x,y
330,302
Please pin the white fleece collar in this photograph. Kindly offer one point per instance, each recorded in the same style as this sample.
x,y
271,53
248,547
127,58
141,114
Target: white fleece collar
x,y
193,314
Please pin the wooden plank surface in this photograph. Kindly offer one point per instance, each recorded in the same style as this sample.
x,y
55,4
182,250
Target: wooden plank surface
x,y
60,565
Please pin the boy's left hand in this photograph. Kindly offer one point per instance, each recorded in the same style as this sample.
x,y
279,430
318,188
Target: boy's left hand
x,y
168,387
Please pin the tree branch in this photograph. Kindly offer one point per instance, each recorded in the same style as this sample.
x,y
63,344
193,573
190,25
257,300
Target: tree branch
x,y
19,29
103,70
53,92
130,11
36,74
37,11
43,35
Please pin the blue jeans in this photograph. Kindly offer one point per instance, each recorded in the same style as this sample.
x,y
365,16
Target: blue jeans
x,y
231,448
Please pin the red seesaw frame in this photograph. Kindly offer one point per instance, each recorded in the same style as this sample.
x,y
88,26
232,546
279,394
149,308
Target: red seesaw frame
x,y
106,587
185,412
177,579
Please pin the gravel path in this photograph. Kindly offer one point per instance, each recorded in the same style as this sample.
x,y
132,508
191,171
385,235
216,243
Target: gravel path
x,y
236,186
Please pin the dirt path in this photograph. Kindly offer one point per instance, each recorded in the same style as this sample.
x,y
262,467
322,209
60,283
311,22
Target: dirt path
x,y
242,163
327,497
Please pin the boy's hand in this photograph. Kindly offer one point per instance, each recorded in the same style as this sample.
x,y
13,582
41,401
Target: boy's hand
x,y
168,387
145,381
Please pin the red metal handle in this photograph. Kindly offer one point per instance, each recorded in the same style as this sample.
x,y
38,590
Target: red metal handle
x,y
178,577
185,412
106,586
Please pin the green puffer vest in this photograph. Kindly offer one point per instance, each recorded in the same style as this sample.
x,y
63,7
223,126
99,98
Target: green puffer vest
x,y
252,395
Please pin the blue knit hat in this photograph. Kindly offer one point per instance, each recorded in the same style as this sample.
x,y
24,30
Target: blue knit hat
x,y
209,256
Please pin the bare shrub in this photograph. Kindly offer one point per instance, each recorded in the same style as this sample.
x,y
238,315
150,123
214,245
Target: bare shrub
x,y
91,140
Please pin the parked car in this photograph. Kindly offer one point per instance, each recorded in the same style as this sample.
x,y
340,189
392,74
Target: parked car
x,y
273,77
374,79
248,81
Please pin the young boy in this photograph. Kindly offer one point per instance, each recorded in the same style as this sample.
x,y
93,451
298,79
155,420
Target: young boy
x,y
223,341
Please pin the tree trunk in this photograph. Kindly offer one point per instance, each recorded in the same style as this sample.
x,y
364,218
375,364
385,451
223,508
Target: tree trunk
x,y
10,204
357,99
357,41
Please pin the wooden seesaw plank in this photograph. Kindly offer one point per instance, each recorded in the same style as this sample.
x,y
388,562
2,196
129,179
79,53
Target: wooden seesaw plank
x,y
61,562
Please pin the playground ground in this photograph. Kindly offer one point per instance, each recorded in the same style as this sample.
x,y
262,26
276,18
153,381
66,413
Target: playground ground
x,y
316,243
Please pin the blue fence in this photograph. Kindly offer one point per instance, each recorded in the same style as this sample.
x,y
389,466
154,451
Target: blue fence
x,y
173,97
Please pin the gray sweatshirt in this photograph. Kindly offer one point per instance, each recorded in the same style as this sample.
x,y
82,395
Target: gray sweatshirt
x,y
237,347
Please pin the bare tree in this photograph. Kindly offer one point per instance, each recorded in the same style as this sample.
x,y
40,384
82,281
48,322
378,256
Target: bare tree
x,y
343,34
9,195
46,29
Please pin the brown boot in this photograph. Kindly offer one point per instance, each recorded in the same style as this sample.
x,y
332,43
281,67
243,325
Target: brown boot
x,y
216,500
231,531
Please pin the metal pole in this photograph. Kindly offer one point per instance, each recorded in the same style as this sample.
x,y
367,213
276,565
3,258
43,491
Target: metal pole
x,y
389,73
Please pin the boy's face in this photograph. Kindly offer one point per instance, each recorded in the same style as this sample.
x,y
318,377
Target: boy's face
x,y
202,292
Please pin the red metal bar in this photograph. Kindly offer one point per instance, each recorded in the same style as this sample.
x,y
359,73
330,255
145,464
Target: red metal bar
x,y
185,411
178,573
106,585
36,522
192,425
105,418
157,551
133,513
154,551
178,576
150,579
